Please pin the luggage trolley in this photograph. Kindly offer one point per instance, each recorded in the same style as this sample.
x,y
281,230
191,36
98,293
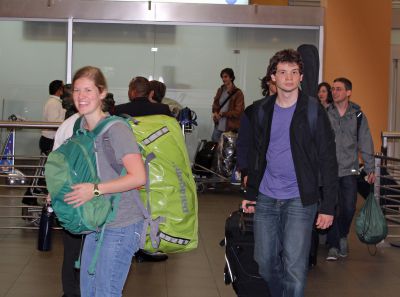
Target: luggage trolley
x,y
205,175
209,169
215,163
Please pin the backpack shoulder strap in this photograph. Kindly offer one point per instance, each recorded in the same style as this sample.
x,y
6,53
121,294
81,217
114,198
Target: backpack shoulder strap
x,y
99,129
77,125
103,132
105,124
359,116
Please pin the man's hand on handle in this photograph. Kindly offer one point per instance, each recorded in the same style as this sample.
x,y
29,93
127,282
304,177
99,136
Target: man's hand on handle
x,y
248,206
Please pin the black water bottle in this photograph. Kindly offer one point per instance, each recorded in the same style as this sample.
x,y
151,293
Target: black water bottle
x,y
46,223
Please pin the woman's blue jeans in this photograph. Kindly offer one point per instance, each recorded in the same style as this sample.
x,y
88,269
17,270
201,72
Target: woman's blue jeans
x,y
112,267
282,234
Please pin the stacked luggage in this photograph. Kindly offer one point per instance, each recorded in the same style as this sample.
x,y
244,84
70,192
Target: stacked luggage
x,y
217,160
204,158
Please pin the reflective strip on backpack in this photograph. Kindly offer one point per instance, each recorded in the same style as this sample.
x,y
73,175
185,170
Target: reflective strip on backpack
x,y
172,239
153,137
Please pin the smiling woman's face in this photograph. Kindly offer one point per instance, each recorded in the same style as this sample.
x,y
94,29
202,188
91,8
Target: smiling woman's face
x,y
87,96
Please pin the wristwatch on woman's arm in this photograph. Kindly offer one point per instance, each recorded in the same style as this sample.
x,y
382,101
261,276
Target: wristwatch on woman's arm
x,y
96,191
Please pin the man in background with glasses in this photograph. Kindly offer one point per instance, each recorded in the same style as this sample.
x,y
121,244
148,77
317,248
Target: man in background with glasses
x,y
352,137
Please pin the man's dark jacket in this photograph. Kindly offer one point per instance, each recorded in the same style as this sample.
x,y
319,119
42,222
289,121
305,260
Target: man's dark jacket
x,y
141,106
314,154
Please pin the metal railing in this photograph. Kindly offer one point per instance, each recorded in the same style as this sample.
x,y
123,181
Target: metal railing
x,y
387,186
22,179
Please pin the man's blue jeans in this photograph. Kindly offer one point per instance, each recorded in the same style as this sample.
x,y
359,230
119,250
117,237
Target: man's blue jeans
x,y
216,135
346,209
112,267
282,234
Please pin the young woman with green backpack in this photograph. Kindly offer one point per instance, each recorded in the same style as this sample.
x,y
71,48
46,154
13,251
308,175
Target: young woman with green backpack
x,y
121,236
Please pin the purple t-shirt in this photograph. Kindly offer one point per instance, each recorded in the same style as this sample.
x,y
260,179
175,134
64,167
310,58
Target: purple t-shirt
x,y
279,180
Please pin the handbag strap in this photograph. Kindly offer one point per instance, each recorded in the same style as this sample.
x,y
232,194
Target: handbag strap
x,y
226,100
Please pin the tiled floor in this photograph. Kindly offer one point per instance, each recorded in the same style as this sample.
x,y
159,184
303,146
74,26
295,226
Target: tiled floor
x,y
26,272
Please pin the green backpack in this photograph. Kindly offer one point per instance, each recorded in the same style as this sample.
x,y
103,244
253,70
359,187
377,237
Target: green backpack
x,y
170,197
72,163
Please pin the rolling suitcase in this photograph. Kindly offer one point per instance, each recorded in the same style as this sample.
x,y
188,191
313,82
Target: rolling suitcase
x,y
240,268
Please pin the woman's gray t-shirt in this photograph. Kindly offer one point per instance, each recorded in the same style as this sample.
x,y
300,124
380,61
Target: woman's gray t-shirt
x,y
120,137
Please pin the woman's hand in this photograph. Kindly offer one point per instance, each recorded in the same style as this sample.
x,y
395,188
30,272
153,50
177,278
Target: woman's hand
x,y
81,193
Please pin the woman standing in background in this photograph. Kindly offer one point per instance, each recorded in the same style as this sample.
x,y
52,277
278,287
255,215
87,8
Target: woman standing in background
x,y
324,94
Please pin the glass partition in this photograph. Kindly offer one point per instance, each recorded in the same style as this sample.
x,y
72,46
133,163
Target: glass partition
x,y
32,54
187,58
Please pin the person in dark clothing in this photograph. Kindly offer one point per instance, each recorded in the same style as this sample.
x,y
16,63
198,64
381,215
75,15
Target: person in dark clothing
x,y
69,274
244,136
157,91
286,163
140,105
109,103
67,101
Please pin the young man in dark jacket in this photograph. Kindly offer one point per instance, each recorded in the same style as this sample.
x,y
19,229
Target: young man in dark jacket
x,y
288,162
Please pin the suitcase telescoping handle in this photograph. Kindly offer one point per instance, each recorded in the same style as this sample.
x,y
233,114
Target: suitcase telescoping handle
x,y
245,221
